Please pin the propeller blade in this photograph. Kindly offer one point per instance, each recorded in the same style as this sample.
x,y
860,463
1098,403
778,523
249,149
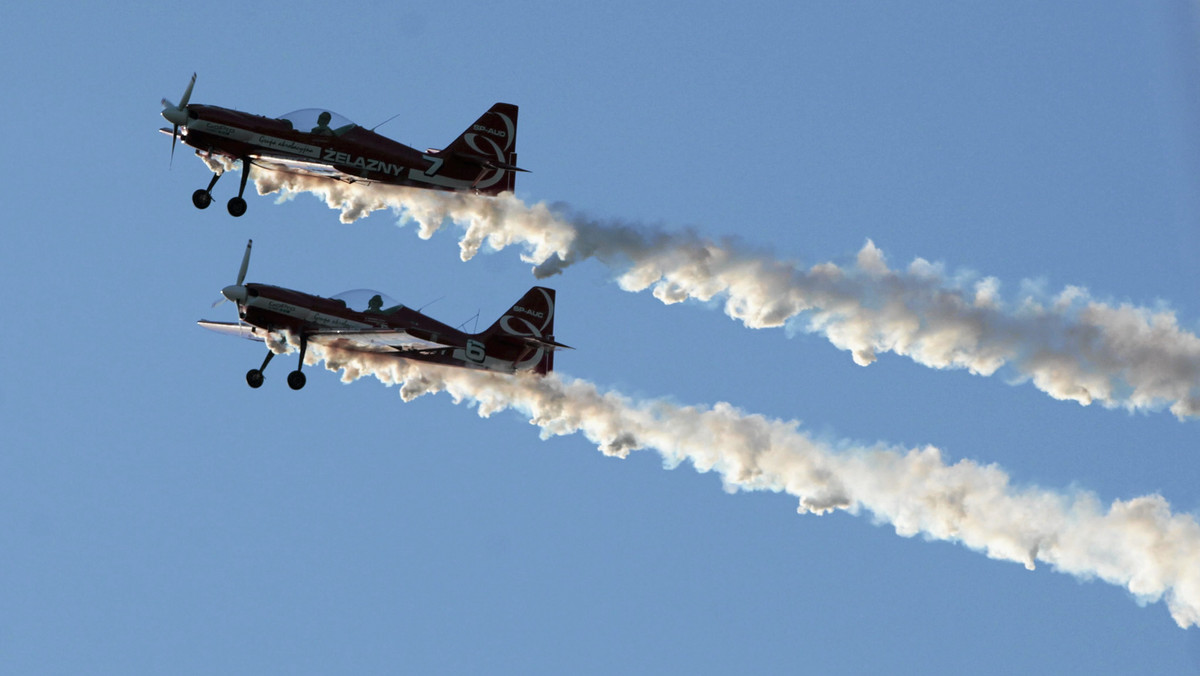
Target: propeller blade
x,y
187,93
174,135
236,291
245,263
178,114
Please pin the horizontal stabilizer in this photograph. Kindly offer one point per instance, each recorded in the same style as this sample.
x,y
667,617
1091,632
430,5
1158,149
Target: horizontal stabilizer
x,y
486,162
548,342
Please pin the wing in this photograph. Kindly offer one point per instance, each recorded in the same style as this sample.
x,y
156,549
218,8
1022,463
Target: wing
x,y
359,340
374,340
306,167
233,329
296,165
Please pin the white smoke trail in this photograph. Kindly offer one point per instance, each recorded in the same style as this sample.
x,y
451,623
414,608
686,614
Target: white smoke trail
x,y
1070,346
1138,544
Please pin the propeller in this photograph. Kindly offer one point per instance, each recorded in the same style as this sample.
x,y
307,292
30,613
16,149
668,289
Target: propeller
x,y
177,114
236,292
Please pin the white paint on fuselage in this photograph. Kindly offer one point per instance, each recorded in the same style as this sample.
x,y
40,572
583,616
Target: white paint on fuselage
x,y
254,138
304,315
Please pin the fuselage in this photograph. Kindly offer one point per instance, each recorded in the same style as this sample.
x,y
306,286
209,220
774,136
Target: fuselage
x,y
275,308
395,330
353,153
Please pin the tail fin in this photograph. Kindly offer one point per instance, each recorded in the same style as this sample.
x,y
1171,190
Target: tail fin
x,y
491,145
525,334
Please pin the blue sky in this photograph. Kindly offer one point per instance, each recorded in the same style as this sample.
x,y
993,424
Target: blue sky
x,y
157,515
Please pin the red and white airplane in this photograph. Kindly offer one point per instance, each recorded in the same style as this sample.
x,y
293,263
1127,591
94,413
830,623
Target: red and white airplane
x,y
317,142
522,339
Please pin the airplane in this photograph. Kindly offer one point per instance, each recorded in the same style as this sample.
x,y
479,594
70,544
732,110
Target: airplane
x,y
317,142
521,340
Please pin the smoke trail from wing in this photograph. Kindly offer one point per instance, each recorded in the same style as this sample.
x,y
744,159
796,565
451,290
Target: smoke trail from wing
x,y
1138,544
1069,345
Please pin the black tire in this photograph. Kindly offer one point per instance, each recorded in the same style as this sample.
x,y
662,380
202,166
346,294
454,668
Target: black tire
x,y
254,378
237,206
202,198
296,380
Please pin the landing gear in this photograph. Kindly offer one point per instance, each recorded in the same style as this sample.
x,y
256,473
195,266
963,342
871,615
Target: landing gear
x,y
203,197
237,205
254,377
296,379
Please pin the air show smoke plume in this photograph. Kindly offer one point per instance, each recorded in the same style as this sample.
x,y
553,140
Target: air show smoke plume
x,y
1137,544
1070,345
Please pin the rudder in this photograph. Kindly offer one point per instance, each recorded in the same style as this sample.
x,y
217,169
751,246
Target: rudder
x,y
524,334
491,144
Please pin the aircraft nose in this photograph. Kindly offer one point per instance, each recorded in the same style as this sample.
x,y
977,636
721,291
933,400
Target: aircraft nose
x,y
235,293
175,115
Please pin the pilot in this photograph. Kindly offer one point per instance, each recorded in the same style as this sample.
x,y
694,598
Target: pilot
x,y
322,127
375,304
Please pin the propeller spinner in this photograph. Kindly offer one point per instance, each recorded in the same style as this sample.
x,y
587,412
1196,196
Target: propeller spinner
x,y
177,114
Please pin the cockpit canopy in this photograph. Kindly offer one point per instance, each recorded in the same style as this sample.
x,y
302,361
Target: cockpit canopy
x,y
360,300
306,120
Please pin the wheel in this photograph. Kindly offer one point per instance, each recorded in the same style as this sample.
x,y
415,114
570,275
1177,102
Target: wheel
x,y
202,198
296,380
237,206
254,378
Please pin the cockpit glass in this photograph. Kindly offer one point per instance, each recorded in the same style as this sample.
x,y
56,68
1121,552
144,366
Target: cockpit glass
x,y
308,119
360,300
